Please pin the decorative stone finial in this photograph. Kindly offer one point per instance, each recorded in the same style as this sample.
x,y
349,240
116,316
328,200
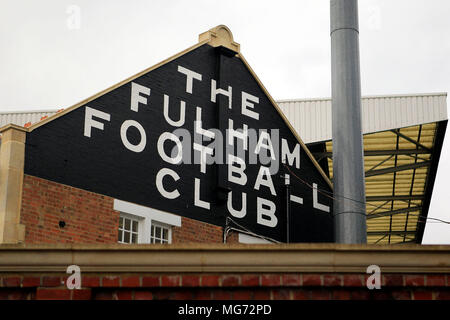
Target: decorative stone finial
x,y
220,36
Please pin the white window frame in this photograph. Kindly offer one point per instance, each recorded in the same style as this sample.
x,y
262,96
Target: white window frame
x,y
162,225
139,221
145,216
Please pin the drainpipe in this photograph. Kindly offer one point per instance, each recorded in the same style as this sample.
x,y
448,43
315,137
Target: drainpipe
x,y
348,161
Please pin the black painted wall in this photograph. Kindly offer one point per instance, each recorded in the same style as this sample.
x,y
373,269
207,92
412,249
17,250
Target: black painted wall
x,y
59,150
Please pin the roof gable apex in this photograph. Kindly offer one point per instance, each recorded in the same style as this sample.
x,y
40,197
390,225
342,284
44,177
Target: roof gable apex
x,y
215,37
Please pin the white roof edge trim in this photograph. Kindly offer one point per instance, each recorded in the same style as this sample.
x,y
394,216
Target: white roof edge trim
x,y
147,212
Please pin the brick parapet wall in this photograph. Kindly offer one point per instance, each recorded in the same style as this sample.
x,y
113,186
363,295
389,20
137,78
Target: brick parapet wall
x,y
89,217
248,286
219,271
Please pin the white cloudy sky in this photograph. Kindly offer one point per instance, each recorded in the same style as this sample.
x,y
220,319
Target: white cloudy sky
x,y
46,63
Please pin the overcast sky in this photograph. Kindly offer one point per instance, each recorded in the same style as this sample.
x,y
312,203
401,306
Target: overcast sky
x,y
56,53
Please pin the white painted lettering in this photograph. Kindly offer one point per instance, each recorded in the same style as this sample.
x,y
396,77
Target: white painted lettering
x,y
136,98
215,92
265,172
316,203
190,75
247,102
159,183
265,211
123,135
204,150
234,170
91,123
179,147
241,134
237,213
296,199
198,125
197,201
179,122
290,157
265,142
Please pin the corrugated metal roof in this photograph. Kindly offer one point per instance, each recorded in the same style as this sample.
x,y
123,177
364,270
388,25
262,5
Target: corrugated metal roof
x,y
312,117
20,118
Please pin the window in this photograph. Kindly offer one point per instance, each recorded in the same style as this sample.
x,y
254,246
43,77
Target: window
x,y
128,230
139,224
160,233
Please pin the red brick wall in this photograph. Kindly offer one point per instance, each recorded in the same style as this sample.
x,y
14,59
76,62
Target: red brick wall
x,y
89,217
196,231
233,237
227,286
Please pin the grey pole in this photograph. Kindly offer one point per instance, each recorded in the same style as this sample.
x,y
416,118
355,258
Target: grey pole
x,y
348,160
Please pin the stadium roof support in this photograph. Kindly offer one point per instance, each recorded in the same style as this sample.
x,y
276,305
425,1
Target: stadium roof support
x,y
403,136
